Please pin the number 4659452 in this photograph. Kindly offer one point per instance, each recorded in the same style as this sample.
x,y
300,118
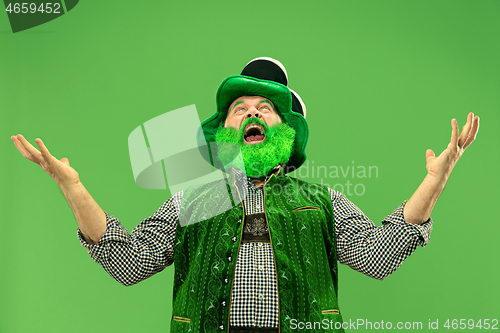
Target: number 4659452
x,y
471,324
32,8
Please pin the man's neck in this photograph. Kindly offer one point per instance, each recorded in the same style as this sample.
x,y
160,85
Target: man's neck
x,y
258,181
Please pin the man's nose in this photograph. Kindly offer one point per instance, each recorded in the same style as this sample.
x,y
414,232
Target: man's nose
x,y
253,113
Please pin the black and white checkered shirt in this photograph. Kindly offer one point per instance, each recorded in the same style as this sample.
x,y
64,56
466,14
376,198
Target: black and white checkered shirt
x,y
374,251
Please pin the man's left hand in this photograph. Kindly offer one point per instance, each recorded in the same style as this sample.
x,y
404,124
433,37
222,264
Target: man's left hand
x,y
441,166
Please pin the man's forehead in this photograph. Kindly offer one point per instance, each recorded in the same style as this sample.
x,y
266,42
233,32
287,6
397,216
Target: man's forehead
x,y
243,99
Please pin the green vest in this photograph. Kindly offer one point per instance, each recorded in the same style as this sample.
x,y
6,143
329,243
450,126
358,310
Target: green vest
x,y
302,231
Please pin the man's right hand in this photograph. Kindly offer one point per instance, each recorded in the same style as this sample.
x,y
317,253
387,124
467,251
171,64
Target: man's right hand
x,y
60,170
90,217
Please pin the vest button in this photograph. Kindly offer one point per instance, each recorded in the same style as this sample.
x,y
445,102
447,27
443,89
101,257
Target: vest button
x,y
229,259
221,327
226,281
223,303
239,221
234,239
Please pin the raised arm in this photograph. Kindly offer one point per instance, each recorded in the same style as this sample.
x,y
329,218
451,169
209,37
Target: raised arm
x,y
90,217
418,209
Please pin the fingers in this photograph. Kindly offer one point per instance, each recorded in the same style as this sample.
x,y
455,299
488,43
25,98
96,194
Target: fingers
x,y
20,147
43,149
473,132
65,161
429,157
454,132
469,132
429,153
465,131
26,149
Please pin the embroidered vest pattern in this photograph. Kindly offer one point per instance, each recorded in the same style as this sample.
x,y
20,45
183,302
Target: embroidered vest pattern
x,y
301,227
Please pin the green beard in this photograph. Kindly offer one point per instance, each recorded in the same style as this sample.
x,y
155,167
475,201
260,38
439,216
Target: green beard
x,y
259,158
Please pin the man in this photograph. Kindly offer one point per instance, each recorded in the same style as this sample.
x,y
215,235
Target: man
x,y
270,262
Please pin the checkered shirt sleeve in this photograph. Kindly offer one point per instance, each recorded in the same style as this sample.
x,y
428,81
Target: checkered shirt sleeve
x,y
371,250
131,258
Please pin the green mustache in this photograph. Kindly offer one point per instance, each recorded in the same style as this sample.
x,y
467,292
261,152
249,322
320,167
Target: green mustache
x,y
253,121
260,158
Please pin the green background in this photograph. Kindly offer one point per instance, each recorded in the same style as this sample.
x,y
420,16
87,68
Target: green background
x,y
381,80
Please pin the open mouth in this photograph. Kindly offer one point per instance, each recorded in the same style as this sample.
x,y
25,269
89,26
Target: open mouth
x,y
254,133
